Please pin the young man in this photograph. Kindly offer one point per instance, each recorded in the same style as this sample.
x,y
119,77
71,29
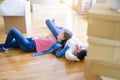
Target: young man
x,y
76,51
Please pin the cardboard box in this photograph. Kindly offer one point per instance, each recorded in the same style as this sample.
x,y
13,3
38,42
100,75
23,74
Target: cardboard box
x,y
104,33
104,49
104,22
18,22
103,57
21,22
89,75
101,70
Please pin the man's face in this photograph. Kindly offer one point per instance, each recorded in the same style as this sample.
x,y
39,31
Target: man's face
x,y
78,49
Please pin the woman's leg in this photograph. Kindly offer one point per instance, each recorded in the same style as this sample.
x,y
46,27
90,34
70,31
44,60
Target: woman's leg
x,y
12,44
23,43
53,28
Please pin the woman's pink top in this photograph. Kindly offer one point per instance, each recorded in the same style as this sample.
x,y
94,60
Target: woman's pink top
x,y
43,44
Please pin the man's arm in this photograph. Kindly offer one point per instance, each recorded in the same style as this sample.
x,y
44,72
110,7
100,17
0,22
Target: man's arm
x,y
70,56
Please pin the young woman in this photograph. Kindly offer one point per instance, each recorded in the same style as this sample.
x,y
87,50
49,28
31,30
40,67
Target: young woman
x,y
16,40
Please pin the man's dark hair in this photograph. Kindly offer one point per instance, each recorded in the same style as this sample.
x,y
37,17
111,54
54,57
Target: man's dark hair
x,y
82,54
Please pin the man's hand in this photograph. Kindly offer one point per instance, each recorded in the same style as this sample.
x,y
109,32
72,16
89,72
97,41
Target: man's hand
x,y
77,50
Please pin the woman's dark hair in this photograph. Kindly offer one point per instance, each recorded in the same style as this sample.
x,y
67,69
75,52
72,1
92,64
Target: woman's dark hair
x,y
82,54
67,34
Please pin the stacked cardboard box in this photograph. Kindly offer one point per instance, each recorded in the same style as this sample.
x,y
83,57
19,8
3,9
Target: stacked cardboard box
x,y
104,41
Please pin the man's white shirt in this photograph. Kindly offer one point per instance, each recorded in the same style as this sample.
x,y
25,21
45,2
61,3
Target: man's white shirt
x,y
72,42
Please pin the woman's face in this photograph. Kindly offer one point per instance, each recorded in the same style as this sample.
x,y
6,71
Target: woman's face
x,y
61,36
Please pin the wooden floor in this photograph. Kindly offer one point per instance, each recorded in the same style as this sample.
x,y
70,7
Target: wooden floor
x,y
19,65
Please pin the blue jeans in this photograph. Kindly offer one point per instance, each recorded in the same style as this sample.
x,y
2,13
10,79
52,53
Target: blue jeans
x,y
53,28
16,40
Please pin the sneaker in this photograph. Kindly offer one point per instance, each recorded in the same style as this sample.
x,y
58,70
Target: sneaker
x,y
3,49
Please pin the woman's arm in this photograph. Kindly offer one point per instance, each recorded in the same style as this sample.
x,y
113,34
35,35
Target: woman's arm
x,y
61,52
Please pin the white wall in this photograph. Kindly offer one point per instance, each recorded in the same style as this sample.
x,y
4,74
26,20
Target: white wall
x,y
44,1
